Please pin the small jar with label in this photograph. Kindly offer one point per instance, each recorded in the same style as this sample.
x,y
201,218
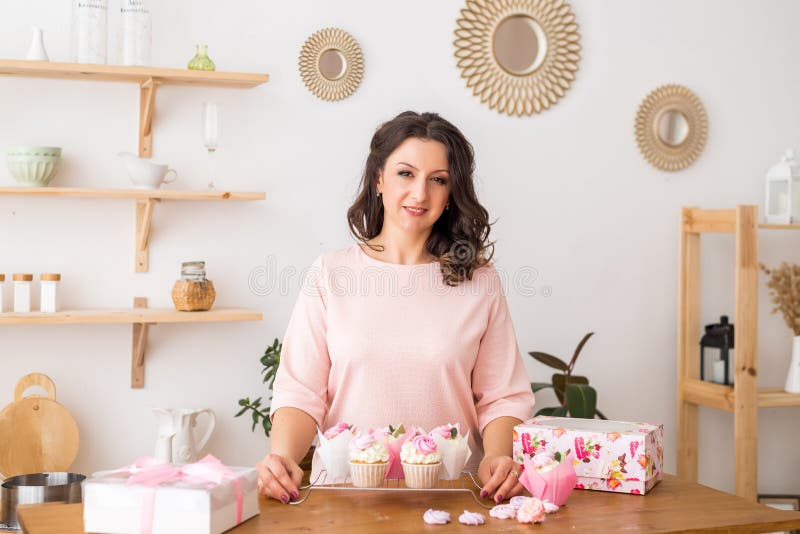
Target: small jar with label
x,y
2,283
49,292
22,292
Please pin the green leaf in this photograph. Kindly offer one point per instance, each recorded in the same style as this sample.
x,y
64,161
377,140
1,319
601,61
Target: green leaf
x,y
240,412
244,402
600,414
581,401
578,350
550,360
536,386
557,456
560,411
560,382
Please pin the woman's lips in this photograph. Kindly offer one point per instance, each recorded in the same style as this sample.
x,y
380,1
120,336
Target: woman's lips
x,y
415,212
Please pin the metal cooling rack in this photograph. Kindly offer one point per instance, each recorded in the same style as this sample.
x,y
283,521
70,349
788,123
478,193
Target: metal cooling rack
x,y
460,485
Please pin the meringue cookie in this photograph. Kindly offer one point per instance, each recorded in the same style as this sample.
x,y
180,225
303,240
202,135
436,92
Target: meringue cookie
x,y
503,511
436,517
518,501
549,507
531,512
471,518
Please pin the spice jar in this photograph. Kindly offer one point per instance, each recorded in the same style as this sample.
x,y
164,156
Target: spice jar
x,y
2,283
49,292
193,292
22,293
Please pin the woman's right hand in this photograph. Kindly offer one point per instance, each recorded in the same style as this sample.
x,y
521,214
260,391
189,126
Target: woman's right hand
x,y
279,477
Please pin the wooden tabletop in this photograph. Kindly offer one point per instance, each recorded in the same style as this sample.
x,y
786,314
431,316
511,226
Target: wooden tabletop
x,y
672,506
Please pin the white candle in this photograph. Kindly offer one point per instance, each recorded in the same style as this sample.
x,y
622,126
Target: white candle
x,y
718,372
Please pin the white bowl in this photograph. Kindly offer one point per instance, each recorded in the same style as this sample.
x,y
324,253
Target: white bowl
x,y
33,166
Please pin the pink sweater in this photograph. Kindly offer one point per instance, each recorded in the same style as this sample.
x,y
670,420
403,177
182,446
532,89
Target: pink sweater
x,y
373,343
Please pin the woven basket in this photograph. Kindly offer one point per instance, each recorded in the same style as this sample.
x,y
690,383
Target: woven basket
x,y
193,296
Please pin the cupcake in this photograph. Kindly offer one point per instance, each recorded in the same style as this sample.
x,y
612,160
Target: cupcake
x,y
395,437
548,479
421,461
454,449
334,451
368,459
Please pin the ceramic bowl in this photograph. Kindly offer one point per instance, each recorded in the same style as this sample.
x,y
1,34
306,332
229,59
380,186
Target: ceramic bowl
x,y
33,166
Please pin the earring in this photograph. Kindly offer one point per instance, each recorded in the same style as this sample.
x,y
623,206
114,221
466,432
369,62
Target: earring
x,y
447,206
379,194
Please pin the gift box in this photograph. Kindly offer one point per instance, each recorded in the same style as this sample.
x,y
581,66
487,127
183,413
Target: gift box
x,y
608,455
152,497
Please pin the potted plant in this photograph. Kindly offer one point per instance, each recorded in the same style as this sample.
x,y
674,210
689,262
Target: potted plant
x,y
784,288
270,362
577,397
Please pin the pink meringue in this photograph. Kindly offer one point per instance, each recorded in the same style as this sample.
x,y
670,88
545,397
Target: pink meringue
x,y
362,441
424,444
335,430
471,518
531,512
436,517
549,507
503,511
518,501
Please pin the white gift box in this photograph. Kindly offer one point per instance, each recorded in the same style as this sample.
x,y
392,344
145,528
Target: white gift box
x,y
110,505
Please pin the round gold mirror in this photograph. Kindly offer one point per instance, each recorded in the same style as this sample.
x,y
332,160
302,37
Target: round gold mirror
x,y
519,57
331,64
671,127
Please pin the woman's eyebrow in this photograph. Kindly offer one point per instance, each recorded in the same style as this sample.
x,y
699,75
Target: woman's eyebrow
x,y
416,169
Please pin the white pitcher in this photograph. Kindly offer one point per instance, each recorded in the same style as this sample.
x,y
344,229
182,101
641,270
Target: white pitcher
x,y
146,174
176,442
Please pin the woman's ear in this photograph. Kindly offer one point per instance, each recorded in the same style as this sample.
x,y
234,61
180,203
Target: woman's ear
x,y
379,181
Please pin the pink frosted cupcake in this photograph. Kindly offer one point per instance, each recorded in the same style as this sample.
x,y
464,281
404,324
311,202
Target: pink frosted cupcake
x,y
368,459
421,462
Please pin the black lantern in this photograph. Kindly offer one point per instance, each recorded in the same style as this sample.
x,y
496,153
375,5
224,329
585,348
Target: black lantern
x,y
718,336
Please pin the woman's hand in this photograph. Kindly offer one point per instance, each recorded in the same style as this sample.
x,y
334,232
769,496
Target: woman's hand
x,y
500,477
279,477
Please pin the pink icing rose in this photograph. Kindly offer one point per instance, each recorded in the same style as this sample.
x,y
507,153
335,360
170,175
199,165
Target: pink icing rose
x,y
544,460
445,431
503,511
436,517
362,441
531,512
471,518
424,444
335,430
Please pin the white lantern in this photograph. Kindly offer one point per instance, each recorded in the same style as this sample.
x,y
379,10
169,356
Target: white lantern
x,y
783,191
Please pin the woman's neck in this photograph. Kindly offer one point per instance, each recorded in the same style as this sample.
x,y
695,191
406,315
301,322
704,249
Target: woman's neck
x,y
401,248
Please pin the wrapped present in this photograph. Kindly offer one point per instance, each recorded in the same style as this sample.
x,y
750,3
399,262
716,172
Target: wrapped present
x,y
150,496
607,455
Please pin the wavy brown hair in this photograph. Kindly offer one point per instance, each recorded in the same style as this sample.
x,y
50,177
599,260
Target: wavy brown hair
x,y
460,237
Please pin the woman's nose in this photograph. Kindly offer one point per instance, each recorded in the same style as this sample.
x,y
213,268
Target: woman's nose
x,y
419,190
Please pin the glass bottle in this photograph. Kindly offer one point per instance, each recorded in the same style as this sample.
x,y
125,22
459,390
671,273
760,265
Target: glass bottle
x,y
136,33
89,31
22,292
201,61
49,292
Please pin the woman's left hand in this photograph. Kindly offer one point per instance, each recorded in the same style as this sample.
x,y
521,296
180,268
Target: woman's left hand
x,y
500,477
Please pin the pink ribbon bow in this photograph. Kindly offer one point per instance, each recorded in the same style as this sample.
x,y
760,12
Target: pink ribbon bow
x,y
150,472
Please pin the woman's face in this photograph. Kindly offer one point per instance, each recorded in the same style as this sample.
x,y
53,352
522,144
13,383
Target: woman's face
x,y
415,185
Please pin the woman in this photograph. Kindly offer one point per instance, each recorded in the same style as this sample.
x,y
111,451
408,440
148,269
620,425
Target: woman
x,y
410,325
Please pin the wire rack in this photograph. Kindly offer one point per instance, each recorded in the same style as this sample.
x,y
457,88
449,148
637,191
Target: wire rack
x,y
466,484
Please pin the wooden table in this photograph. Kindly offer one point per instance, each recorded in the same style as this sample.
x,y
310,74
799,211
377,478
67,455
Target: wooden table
x,y
672,506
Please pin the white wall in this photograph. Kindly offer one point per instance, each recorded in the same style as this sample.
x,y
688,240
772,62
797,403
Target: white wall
x,y
572,196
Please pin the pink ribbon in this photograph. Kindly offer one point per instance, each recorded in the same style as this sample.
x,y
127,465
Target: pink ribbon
x,y
150,472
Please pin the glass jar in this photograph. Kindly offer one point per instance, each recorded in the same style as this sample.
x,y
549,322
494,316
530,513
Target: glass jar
x,y
22,292
201,61
89,32
193,271
49,292
193,292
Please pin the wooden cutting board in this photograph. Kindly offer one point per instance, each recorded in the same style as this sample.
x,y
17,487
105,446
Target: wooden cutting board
x,y
37,434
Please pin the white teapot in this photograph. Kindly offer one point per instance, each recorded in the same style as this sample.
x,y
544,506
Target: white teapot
x,y
176,442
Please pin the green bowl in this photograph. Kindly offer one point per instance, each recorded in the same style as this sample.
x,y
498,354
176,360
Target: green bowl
x,y
33,166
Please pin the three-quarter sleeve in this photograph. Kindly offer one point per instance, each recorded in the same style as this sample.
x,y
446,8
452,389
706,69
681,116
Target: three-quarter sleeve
x,y
302,378
500,384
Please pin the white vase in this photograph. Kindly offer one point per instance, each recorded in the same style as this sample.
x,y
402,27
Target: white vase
x,y
89,31
36,52
793,377
136,33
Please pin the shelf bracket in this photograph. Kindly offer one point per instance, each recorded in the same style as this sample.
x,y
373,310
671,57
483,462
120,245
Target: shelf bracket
x,y
147,98
144,215
139,343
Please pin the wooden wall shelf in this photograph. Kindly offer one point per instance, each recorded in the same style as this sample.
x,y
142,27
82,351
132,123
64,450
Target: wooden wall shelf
x,y
146,77
139,316
145,201
744,398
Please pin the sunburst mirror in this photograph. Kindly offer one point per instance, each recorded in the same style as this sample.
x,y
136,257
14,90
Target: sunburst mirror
x,y
331,64
518,56
671,127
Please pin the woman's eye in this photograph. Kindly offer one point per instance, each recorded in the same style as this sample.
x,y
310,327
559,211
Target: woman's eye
x,y
439,180
404,173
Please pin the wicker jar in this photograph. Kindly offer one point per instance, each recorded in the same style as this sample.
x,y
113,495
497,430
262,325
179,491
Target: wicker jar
x,y
193,295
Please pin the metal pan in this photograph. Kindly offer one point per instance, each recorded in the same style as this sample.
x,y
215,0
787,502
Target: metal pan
x,y
37,488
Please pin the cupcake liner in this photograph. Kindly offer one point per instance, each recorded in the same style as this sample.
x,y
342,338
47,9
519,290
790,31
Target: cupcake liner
x,y
421,476
455,455
335,454
367,475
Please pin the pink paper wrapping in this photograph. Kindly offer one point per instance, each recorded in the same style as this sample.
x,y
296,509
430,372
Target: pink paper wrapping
x,y
554,485
394,469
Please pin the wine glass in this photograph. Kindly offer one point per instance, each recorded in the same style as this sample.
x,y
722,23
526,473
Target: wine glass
x,y
211,132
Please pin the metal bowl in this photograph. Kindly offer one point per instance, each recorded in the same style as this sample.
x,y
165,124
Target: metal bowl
x,y
37,488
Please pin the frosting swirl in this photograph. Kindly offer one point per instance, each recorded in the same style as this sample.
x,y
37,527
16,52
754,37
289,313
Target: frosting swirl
x,y
503,511
531,512
446,431
365,448
420,450
544,462
436,517
335,430
471,518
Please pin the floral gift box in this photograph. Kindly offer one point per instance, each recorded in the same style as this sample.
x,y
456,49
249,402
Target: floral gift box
x,y
609,455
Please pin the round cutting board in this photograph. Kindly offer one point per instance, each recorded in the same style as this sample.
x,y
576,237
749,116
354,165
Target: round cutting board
x,y
37,434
